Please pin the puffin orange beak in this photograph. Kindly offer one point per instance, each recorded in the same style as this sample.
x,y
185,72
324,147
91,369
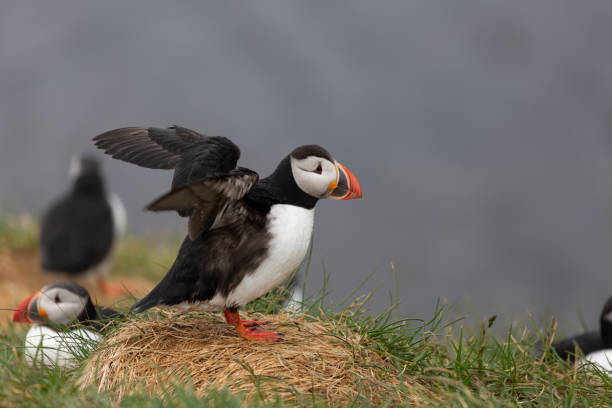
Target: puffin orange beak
x,y
29,311
21,313
347,187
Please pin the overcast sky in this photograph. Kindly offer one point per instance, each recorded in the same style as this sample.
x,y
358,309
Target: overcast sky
x,y
481,131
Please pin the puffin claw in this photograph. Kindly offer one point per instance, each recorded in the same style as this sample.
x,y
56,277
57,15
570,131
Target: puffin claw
x,y
259,334
251,323
248,329
111,289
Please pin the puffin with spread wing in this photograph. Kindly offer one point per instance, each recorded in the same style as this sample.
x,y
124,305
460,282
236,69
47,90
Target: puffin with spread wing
x,y
246,235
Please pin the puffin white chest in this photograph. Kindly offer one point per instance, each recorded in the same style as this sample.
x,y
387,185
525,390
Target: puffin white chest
x,y
46,346
602,358
290,229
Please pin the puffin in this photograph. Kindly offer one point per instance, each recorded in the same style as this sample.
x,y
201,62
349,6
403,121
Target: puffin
x,y
66,324
595,345
79,230
294,298
246,235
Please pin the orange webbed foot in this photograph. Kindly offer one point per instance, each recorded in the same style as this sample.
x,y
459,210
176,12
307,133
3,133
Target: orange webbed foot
x,y
252,323
248,329
259,334
111,289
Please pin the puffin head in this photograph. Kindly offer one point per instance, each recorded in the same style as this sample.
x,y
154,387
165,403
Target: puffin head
x,y
86,175
317,174
605,321
82,164
58,303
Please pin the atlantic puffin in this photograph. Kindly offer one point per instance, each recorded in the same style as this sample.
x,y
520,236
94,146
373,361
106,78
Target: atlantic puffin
x,y
65,324
595,345
79,230
246,235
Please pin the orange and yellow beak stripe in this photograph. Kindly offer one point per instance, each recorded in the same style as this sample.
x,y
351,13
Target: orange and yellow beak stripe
x,y
347,186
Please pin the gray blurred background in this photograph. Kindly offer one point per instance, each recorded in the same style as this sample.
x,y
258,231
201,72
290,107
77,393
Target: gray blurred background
x,y
481,131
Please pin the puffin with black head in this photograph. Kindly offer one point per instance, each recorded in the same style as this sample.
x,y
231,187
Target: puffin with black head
x,y
79,230
246,235
65,323
595,345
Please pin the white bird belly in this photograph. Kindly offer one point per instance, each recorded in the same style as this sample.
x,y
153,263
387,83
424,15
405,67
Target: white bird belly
x,y
48,347
602,358
119,214
290,228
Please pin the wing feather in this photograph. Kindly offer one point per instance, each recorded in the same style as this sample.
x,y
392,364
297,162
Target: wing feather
x,y
206,180
149,147
207,199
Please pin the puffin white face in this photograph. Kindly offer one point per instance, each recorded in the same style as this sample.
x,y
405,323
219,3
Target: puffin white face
x,y
57,303
82,164
61,305
75,166
316,176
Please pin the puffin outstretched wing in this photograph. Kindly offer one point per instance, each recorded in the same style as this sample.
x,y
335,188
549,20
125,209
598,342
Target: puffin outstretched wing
x,y
150,147
206,201
206,180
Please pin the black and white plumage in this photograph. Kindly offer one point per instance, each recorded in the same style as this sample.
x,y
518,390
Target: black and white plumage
x,y
79,230
245,235
65,324
595,345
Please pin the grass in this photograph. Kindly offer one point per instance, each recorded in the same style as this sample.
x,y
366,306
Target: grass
x,y
451,367
149,257
18,233
440,362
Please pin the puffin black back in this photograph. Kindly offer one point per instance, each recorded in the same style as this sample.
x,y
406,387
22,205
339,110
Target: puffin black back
x,y
591,341
586,343
77,231
211,160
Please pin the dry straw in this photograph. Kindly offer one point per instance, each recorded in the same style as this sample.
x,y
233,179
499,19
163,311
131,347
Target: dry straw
x,y
319,358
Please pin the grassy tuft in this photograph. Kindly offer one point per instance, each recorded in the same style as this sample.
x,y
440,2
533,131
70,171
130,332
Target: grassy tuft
x,y
18,233
433,362
148,257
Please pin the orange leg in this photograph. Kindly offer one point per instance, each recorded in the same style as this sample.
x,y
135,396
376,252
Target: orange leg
x,y
110,289
245,323
250,330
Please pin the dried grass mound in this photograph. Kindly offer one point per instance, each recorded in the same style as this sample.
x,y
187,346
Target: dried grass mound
x,y
317,358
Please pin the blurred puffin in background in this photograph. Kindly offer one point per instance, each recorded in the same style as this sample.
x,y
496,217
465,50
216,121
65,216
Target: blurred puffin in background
x,y
78,231
246,235
66,325
293,300
595,345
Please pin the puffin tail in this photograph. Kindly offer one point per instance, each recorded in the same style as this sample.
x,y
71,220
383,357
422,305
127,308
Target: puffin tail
x,y
147,302
177,285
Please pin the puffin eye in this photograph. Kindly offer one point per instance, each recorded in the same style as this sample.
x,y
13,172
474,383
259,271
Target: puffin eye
x,y
57,299
319,169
